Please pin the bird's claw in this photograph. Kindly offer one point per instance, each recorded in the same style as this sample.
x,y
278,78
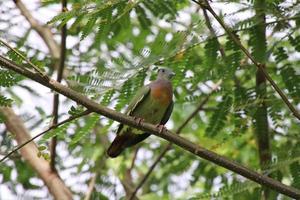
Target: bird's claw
x,y
160,128
138,120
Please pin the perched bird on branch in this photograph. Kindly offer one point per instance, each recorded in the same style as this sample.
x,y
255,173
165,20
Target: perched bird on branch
x,y
153,104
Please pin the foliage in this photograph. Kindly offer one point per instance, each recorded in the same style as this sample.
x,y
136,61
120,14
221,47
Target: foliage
x,y
114,48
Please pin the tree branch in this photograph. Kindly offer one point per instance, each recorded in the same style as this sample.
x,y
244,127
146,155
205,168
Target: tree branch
x,y
29,152
22,56
212,31
45,131
58,79
150,128
43,30
205,4
90,190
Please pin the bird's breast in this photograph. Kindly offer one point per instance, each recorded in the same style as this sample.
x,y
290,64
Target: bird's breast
x,y
162,92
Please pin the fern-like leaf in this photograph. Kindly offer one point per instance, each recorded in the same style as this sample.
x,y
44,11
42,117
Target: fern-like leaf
x,y
87,29
295,42
280,55
227,191
83,131
63,17
8,78
106,99
291,81
211,52
59,132
217,120
4,101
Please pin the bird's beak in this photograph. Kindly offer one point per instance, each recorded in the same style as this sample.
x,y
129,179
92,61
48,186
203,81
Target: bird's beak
x,y
172,74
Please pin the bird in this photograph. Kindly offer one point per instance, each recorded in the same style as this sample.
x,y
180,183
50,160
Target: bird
x,y
152,103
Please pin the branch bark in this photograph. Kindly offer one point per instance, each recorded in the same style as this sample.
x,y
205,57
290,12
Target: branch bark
x,y
58,79
90,190
43,31
150,128
29,152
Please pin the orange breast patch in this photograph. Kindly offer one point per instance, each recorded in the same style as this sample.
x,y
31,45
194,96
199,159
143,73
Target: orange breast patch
x,y
161,94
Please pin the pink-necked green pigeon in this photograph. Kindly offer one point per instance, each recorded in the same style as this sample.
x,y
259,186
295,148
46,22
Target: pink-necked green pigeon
x,y
153,104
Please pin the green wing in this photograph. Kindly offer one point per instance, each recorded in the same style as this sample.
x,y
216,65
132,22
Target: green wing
x,y
167,113
141,94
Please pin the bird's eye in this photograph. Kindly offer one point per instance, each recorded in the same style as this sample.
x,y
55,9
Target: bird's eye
x,y
163,70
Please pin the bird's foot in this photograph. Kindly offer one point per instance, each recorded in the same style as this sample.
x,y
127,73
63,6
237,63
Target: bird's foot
x,y
138,120
161,128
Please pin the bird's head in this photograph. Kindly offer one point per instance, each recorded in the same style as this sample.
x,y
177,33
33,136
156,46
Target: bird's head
x,y
165,74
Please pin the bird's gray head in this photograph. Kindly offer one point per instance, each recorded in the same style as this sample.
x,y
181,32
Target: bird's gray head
x,y
165,74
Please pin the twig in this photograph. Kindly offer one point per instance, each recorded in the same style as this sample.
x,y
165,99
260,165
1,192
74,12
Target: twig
x,y
58,79
43,30
92,182
205,4
168,147
134,158
45,131
212,31
150,128
23,57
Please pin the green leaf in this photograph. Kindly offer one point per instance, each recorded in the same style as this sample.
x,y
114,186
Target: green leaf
x,y
4,101
211,52
64,17
59,131
83,131
87,29
218,119
42,147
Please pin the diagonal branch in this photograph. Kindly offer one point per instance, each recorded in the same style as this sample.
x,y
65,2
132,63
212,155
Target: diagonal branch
x,y
150,128
43,30
205,4
22,56
91,186
58,79
29,152
45,131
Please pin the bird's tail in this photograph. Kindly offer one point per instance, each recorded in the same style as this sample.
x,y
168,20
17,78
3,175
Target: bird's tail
x,y
123,141
116,147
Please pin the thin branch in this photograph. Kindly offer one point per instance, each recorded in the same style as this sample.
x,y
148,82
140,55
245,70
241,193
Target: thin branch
x,y
91,187
205,4
212,31
134,158
153,129
23,57
169,146
43,30
45,131
58,79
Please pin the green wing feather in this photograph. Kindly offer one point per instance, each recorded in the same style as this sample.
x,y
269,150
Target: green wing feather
x,y
127,138
141,94
167,114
